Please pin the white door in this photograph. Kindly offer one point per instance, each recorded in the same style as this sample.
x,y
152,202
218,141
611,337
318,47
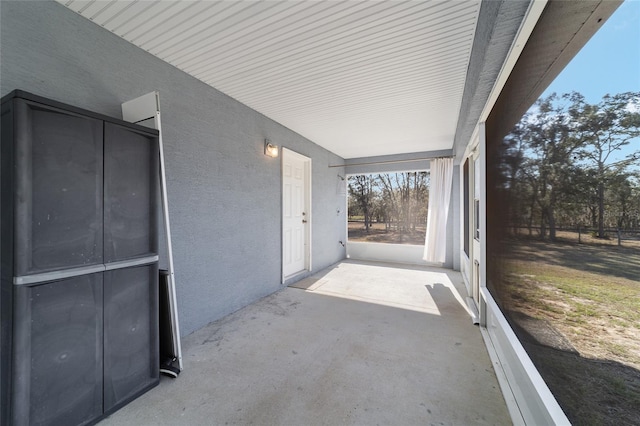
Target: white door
x,y
296,209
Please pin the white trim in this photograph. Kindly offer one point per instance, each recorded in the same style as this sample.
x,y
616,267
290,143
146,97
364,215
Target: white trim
x,y
482,157
465,260
535,402
507,393
409,254
309,257
465,270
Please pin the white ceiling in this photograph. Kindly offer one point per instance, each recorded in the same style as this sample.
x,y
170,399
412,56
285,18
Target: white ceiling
x,y
358,78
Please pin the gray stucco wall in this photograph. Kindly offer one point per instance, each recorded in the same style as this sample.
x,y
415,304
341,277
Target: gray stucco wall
x,y
224,194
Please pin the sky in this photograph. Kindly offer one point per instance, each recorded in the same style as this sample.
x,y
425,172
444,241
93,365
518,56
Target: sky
x,y
608,64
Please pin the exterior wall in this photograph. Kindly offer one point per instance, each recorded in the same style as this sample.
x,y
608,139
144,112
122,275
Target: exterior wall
x,y
224,193
384,252
453,223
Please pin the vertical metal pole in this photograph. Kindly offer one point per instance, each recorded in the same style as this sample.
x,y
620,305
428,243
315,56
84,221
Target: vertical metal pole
x,y
142,110
175,331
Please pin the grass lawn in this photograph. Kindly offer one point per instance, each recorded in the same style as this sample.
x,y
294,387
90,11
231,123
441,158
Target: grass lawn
x,y
378,234
576,309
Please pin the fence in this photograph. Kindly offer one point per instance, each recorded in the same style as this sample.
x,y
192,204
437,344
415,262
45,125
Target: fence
x,y
585,235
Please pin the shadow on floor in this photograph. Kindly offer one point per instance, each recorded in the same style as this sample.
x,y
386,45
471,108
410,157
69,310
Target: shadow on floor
x,y
389,284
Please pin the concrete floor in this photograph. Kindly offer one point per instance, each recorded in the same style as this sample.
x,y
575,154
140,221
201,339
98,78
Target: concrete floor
x,y
365,344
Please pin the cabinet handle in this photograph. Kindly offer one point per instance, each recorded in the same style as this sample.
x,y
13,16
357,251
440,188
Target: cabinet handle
x,y
131,262
57,275
44,277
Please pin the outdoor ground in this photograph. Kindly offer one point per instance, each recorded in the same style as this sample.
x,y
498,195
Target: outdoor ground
x,y
378,234
577,310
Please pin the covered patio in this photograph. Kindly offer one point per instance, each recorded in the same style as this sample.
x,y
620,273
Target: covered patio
x,y
365,343
257,94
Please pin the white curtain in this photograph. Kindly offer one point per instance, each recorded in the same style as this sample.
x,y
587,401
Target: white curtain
x,y
441,175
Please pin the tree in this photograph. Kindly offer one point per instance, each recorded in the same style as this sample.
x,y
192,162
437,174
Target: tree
x,y
405,196
515,178
607,127
398,199
361,188
390,198
619,192
550,135
560,164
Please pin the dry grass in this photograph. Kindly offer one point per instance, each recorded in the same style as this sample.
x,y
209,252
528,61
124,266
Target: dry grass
x,y
590,296
378,234
600,317
627,240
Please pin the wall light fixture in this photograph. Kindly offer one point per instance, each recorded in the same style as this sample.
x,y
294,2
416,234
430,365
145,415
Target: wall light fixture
x,y
270,150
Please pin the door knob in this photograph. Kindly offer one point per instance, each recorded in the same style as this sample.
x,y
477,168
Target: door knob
x,y
304,221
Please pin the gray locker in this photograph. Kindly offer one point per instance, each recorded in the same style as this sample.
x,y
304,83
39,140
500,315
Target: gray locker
x,y
78,254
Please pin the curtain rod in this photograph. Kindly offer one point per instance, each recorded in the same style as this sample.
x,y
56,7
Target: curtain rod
x,y
373,163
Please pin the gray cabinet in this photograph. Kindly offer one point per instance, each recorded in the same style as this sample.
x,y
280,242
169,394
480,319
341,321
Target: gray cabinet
x,y
58,192
130,186
78,256
58,338
131,360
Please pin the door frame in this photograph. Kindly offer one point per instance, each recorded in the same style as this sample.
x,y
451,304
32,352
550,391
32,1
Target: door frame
x,y
477,194
476,234
307,208
473,266
466,225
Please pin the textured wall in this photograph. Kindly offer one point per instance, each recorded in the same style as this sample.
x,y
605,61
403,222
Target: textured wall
x,y
224,194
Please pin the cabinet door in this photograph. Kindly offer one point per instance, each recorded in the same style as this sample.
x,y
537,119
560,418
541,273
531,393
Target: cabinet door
x,y
58,202
131,359
57,347
6,255
131,193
